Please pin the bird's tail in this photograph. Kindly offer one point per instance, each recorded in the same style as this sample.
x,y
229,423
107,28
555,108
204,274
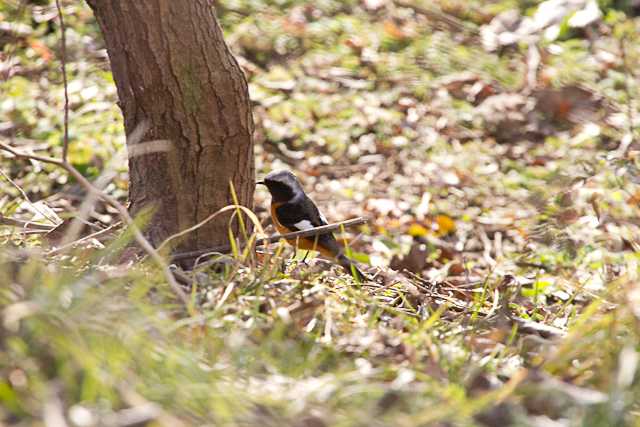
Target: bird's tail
x,y
350,266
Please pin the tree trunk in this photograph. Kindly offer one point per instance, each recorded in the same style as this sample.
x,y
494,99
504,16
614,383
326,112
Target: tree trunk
x,y
176,77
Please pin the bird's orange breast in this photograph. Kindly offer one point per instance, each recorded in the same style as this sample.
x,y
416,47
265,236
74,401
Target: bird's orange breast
x,y
305,243
281,228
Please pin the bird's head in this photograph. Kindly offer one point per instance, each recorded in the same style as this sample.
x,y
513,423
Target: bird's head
x,y
283,185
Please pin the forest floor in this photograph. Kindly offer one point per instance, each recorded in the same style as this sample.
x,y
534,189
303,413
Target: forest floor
x,y
494,147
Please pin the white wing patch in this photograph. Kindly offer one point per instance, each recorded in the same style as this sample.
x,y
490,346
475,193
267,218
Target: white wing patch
x,y
305,224
323,219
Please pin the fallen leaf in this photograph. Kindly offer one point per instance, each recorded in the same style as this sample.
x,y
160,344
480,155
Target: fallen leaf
x,y
417,230
415,261
41,49
446,225
456,269
392,30
572,104
634,200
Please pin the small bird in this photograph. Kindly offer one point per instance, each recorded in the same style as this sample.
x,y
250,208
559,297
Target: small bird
x,y
292,210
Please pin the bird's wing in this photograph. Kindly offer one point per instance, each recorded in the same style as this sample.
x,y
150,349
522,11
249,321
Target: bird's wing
x,y
300,214
303,214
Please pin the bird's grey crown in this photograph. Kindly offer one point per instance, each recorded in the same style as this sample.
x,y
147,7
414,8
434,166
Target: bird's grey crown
x,y
283,177
284,186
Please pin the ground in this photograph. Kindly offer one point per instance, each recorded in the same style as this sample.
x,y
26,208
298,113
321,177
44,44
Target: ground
x,y
492,145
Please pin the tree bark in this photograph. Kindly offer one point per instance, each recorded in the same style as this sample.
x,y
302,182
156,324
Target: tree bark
x,y
176,76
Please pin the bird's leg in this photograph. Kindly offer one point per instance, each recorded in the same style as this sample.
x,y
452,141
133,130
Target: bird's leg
x,y
305,257
289,261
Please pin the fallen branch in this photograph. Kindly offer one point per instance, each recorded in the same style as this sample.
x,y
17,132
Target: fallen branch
x,y
262,242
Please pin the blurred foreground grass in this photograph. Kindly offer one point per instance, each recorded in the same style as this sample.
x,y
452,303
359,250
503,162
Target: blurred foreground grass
x,y
104,346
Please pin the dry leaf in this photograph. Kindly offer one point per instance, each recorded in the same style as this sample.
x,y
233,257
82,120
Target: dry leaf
x,y
415,261
417,230
392,30
446,225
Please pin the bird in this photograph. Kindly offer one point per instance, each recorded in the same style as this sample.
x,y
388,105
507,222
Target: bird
x,y
292,210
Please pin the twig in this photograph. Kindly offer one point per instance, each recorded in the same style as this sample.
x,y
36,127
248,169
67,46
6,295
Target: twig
x,y
182,277
439,243
288,236
544,267
627,142
137,234
97,234
74,229
44,214
43,159
247,211
437,15
25,224
63,66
